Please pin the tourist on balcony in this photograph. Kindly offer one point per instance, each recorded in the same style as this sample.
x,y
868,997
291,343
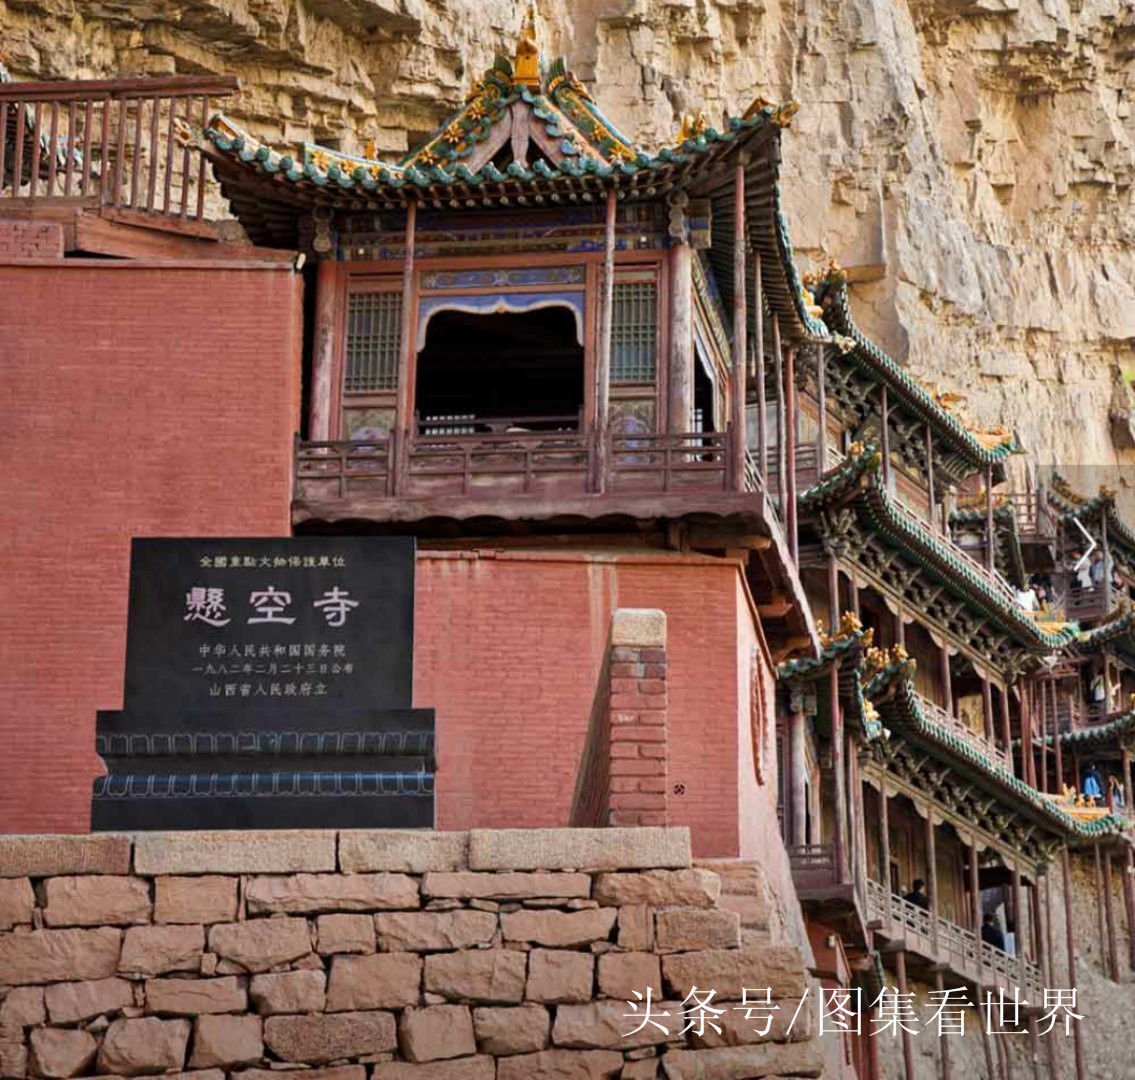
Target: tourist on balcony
x,y
917,895
1115,786
991,933
1091,786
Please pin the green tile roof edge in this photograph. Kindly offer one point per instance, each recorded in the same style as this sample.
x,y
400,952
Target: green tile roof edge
x,y
1096,735
869,355
892,689
1080,509
906,532
1006,516
370,174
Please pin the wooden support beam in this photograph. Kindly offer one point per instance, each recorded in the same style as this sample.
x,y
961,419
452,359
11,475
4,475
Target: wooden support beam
x,y
1070,935
839,767
930,480
326,332
932,875
907,1044
885,844
740,331
947,680
792,413
775,609
1057,745
990,539
885,435
404,419
681,371
781,425
822,398
1006,726
798,778
1109,911
987,709
759,326
1129,901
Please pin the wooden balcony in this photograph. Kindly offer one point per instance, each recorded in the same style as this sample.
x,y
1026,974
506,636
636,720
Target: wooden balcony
x,y
979,742
117,148
938,943
526,475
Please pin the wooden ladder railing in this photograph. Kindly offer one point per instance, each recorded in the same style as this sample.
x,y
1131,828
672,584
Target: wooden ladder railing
x,y
117,142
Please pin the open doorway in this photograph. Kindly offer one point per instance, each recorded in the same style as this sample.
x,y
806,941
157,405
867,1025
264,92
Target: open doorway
x,y
500,372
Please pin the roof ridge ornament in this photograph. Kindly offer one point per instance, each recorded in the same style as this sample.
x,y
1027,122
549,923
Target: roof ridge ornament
x,y
526,68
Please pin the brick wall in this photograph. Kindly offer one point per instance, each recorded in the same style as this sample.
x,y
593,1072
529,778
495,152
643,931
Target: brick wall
x,y
139,399
622,777
514,690
438,956
30,240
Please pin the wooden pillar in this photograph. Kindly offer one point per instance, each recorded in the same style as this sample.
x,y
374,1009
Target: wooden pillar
x,y
932,875
781,425
404,417
1070,935
681,373
987,709
1028,760
907,1045
947,682
822,399
759,327
885,435
944,1042
900,627
1101,926
1019,936
1129,902
791,413
1109,911
740,330
885,843
990,539
1105,544
1057,742
975,888
930,481
839,776
327,329
1006,727
797,781
603,366
1125,765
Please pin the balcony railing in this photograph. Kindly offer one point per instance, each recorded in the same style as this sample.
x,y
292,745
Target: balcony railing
x,y
119,143
940,716
954,946
505,463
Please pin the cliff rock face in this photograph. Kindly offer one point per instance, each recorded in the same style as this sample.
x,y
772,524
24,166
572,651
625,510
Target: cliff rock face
x,y
968,161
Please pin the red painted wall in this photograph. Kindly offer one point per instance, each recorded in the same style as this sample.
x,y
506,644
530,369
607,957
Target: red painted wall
x,y
513,691
138,399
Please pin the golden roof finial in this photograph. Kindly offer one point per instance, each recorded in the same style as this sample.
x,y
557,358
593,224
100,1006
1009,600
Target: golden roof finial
x,y
526,69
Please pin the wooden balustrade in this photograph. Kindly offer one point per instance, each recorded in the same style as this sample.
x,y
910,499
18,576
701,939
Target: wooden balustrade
x,y
947,720
120,143
469,460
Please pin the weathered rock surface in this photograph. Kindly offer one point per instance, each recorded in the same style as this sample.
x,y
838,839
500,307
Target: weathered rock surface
x,y
207,899
319,1039
260,944
288,992
46,956
71,1002
144,1046
383,981
484,975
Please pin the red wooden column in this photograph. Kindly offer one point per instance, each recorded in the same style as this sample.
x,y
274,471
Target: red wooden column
x,y
1006,727
603,366
781,423
947,682
885,845
987,709
1109,908
975,896
839,749
1129,903
404,419
791,411
1070,935
327,330
797,786
681,371
932,875
885,435
740,330
822,400
907,1045
990,539
759,327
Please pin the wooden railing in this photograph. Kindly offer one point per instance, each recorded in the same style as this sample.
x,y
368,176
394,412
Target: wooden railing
x,y
940,716
518,462
119,143
949,944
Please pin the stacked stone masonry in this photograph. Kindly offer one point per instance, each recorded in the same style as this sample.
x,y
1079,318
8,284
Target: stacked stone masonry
x,y
507,955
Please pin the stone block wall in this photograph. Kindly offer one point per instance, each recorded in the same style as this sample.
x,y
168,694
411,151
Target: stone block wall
x,y
382,955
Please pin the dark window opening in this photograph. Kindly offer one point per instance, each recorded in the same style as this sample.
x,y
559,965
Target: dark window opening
x,y
496,372
703,399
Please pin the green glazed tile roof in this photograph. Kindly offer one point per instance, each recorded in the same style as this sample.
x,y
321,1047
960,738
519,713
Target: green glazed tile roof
x,y
893,694
857,481
971,453
1095,735
1090,512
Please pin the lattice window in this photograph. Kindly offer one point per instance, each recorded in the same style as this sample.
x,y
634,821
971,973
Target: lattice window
x,y
634,331
374,339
